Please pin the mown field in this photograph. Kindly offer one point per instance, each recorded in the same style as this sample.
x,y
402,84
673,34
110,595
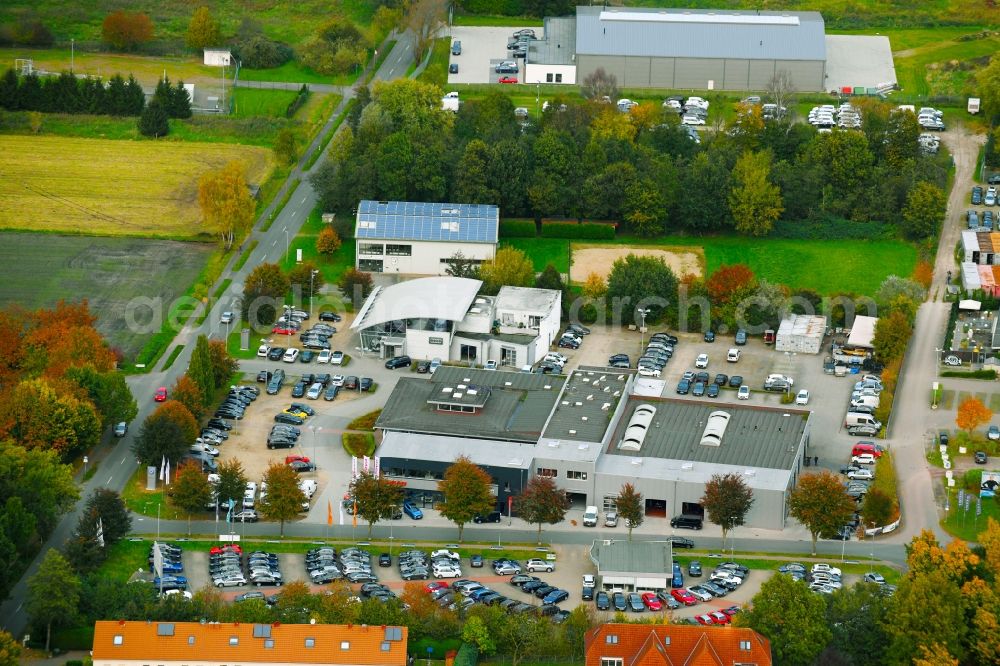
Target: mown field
x,y
828,267
37,270
103,187
249,102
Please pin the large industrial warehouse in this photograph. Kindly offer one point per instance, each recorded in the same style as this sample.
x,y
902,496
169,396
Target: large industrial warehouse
x,y
682,49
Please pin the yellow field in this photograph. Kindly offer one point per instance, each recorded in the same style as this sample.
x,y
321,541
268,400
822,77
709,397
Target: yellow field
x,y
95,186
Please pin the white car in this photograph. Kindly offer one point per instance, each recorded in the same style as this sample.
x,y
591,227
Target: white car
x,y
337,357
696,101
232,580
291,355
780,378
263,351
822,567
692,120
490,365
337,380
324,356
556,357
743,393
648,371
672,104
447,572
951,359
701,361
308,487
733,355
802,398
446,553
861,474
227,318
538,564
863,459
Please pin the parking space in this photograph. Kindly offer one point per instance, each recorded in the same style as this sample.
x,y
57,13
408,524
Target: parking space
x,y
482,49
196,569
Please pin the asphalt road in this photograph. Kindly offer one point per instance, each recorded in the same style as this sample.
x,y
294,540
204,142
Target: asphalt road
x,y
115,460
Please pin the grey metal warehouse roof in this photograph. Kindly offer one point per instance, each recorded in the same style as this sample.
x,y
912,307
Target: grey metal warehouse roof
x,y
638,557
755,437
590,397
415,221
680,33
517,407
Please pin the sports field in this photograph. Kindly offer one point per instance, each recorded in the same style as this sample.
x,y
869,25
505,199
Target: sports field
x,y
102,187
37,270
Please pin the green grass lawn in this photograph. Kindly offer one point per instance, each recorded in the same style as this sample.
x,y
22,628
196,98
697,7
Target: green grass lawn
x,y
296,72
250,102
436,71
512,21
964,524
916,78
331,266
826,266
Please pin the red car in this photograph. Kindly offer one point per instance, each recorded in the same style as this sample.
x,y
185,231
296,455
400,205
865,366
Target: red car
x,y
652,602
228,548
281,330
684,597
731,611
718,617
705,619
507,79
290,459
435,585
161,394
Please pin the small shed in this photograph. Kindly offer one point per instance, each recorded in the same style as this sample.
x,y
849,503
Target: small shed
x,y
862,332
633,566
970,276
218,57
802,334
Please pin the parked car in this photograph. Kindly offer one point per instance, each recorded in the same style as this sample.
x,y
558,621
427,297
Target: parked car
x,y
398,362
411,510
161,394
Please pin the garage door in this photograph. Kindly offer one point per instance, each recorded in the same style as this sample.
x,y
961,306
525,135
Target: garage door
x,y
616,580
651,583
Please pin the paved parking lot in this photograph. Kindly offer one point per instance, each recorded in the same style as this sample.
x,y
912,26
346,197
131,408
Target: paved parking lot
x,y
482,49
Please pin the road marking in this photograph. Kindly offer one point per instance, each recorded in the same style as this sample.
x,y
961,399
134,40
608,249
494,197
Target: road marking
x,y
303,200
109,480
275,242
18,607
294,212
122,462
264,256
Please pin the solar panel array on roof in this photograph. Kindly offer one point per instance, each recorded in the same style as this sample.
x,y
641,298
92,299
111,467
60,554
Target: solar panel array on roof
x,y
417,221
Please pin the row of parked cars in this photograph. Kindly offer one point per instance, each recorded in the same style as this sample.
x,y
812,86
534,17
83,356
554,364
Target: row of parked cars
x,y
726,577
228,567
325,565
654,358
865,398
846,116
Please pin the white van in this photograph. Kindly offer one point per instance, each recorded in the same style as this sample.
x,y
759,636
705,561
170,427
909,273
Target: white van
x,y
856,419
865,401
590,517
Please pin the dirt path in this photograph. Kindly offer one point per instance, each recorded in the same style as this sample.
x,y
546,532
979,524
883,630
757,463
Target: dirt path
x,y
587,260
964,148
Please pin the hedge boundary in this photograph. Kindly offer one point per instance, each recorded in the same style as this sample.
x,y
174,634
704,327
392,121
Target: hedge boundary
x,y
578,230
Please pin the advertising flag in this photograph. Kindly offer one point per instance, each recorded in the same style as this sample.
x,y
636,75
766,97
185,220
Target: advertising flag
x,y
329,513
163,466
376,466
100,532
354,467
366,463
355,513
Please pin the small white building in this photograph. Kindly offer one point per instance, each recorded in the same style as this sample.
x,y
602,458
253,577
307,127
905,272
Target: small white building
x,y
801,334
218,57
412,238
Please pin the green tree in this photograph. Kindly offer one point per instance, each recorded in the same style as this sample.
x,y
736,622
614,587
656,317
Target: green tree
x,y
458,265
116,520
878,508
755,202
166,433
472,178
10,651
190,490
704,185
224,366
43,484
108,391
644,208
286,146
926,609
988,87
263,291
466,490
550,278
38,414
232,481
82,548
306,279
892,333
541,502
227,206
186,392
328,242
631,507
858,616
200,370
355,285
154,121
821,504
902,138
284,497
475,632
645,282
925,208
377,498
337,47
791,616
727,500
203,30
53,594
509,267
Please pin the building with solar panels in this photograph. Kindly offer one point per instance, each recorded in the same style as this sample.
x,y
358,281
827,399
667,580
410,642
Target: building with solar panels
x,y
682,49
413,238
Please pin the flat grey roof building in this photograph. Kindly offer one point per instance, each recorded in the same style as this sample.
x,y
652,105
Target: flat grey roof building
x,y
417,221
633,565
559,45
686,33
584,408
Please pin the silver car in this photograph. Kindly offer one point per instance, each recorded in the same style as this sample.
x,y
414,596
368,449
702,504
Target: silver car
x,y
232,580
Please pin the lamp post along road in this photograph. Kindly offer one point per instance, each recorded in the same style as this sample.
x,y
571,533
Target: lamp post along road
x,y
642,312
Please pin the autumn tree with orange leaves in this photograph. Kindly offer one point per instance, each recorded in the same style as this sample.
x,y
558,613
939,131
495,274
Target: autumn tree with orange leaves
x,y
972,413
730,282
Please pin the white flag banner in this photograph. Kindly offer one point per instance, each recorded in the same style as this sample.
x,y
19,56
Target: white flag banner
x,y
163,466
366,464
376,466
354,467
167,474
100,532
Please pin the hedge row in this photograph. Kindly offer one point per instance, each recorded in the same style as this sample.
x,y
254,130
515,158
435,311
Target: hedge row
x,y
578,230
517,229
833,229
296,104
494,7
975,374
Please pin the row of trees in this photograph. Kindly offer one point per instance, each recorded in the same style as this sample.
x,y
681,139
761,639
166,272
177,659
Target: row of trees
x,y
586,159
68,94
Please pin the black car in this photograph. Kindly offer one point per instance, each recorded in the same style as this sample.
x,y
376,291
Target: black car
x,y
276,353
741,337
979,457
543,591
709,336
635,603
329,316
331,393
683,386
385,560
619,602
453,68
680,542
533,585
307,355
219,423
280,443
398,362
366,384
568,343
423,367
263,377
303,408
977,196
602,601
299,466
290,419
587,594
299,390
579,329
698,389
721,379
713,391
694,568
493,517
736,381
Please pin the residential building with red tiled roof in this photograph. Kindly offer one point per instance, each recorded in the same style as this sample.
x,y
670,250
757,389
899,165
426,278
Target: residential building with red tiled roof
x,y
675,645
120,643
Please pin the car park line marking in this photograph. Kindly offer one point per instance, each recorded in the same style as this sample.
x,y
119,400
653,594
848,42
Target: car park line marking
x,y
109,480
123,461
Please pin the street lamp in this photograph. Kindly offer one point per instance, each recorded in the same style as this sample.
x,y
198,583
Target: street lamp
x,y
312,275
642,312
85,461
286,244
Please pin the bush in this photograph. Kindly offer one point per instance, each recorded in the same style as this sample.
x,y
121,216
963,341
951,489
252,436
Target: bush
x,y
467,655
259,52
125,31
365,421
495,7
359,444
950,330
26,33
578,230
298,102
975,374
518,229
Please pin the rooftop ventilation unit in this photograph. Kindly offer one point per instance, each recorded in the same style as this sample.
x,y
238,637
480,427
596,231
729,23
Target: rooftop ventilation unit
x,y
715,428
472,391
687,466
462,387
605,406
447,389
635,433
572,432
547,387
578,404
456,396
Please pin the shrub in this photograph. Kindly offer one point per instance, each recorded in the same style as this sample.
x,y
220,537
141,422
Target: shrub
x,y
259,52
975,374
298,102
125,31
467,655
26,33
518,229
365,421
359,444
578,230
